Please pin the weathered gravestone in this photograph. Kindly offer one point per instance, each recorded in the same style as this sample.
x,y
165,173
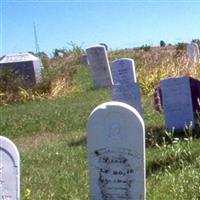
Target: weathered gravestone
x,y
25,65
9,170
116,148
125,87
100,68
193,52
177,102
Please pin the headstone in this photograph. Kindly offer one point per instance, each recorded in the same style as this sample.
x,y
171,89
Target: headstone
x,y
116,148
84,60
100,68
123,71
177,102
125,88
129,94
9,170
193,52
25,65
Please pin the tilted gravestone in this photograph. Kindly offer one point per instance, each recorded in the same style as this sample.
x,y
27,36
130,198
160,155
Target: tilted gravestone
x,y
177,102
125,87
116,148
9,170
100,68
193,52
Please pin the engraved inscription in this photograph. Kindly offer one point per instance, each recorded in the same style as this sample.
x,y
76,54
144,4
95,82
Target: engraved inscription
x,y
115,172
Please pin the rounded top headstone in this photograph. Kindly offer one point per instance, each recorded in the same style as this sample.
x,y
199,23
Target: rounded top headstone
x,y
8,146
116,149
123,71
9,170
117,119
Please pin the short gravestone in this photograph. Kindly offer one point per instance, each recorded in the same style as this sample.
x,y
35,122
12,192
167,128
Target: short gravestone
x,y
125,87
100,68
116,148
9,170
26,66
84,60
193,52
177,102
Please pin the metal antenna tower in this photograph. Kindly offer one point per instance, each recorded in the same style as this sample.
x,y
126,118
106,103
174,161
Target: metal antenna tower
x,y
37,49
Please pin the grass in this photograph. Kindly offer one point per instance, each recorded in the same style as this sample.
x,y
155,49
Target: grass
x,y
51,137
58,170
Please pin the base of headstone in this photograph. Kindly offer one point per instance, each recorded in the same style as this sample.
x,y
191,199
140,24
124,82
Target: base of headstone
x,y
129,94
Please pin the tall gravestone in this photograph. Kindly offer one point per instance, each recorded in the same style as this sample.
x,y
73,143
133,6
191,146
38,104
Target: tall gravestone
x,y
193,52
100,68
177,102
125,87
9,170
116,148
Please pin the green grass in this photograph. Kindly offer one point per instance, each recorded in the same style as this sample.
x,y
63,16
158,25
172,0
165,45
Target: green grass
x,y
51,137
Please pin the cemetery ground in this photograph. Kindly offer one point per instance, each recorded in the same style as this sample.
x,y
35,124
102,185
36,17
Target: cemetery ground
x,y
51,137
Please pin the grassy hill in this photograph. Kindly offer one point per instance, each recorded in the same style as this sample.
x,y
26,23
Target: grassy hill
x,y
50,133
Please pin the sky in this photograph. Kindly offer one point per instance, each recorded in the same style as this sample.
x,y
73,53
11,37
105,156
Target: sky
x,y
85,23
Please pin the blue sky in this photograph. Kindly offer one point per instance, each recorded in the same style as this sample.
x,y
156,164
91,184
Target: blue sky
x,y
119,24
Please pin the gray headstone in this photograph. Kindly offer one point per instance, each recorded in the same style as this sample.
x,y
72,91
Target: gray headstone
x,y
84,60
25,65
193,52
129,94
116,148
177,102
125,88
9,170
123,71
100,68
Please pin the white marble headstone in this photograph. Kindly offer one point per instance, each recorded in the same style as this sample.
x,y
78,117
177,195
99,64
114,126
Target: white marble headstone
x,y
177,102
116,150
123,71
193,52
100,68
9,170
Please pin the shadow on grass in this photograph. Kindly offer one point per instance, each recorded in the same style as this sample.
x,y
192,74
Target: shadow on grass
x,y
80,141
171,162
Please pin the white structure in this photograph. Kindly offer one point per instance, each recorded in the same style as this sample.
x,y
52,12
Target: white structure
x,y
123,71
193,52
177,102
116,148
25,65
125,88
9,170
100,68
